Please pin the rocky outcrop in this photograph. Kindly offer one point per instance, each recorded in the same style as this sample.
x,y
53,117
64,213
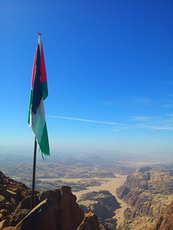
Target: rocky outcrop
x,y
11,194
143,190
165,220
89,222
103,204
144,169
101,174
56,210
10,185
22,210
3,224
147,193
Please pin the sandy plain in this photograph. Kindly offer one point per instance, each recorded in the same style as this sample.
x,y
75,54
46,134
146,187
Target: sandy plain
x,y
111,186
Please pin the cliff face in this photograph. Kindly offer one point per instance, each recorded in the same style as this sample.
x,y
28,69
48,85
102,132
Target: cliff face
x,y
103,204
147,193
165,219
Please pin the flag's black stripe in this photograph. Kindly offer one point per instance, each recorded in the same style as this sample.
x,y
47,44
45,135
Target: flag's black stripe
x,y
37,89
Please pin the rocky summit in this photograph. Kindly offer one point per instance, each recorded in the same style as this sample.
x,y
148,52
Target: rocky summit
x,y
54,209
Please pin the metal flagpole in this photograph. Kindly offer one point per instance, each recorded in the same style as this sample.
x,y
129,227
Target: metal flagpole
x,y
33,177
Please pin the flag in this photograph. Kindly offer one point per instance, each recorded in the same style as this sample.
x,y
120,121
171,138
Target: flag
x,y
39,92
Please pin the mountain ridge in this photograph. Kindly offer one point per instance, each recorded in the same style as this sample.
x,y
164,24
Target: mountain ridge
x,y
147,192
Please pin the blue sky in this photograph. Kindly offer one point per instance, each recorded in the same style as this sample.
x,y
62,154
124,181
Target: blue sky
x,y
109,68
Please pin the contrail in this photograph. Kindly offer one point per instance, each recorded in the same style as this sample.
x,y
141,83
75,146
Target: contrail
x,y
80,119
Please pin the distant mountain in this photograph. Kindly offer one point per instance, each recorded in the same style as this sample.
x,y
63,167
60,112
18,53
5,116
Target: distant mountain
x,y
53,175
13,159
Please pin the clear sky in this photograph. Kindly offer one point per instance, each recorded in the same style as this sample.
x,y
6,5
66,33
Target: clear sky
x,y
109,68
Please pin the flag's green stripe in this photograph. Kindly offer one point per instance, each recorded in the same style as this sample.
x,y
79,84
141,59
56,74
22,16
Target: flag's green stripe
x,y
40,128
44,90
44,143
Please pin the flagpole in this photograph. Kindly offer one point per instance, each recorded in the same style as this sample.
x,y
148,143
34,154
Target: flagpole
x,y
33,176
39,92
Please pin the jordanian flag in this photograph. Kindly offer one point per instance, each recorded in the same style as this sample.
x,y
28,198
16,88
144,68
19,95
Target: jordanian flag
x,y
39,92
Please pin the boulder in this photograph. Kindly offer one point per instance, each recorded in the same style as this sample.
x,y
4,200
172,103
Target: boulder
x,y
89,222
42,217
2,188
22,210
4,212
2,201
3,224
12,196
59,211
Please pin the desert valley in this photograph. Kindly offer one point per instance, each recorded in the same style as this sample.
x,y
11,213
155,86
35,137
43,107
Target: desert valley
x,y
123,194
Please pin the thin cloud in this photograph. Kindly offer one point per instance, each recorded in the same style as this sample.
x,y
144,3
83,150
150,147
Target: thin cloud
x,y
120,106
85,120
152,123
116,130
161,128
139,101
143,122
141,118
168,105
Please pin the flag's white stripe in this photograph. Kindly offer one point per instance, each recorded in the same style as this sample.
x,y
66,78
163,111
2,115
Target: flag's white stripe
x,y
37,121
